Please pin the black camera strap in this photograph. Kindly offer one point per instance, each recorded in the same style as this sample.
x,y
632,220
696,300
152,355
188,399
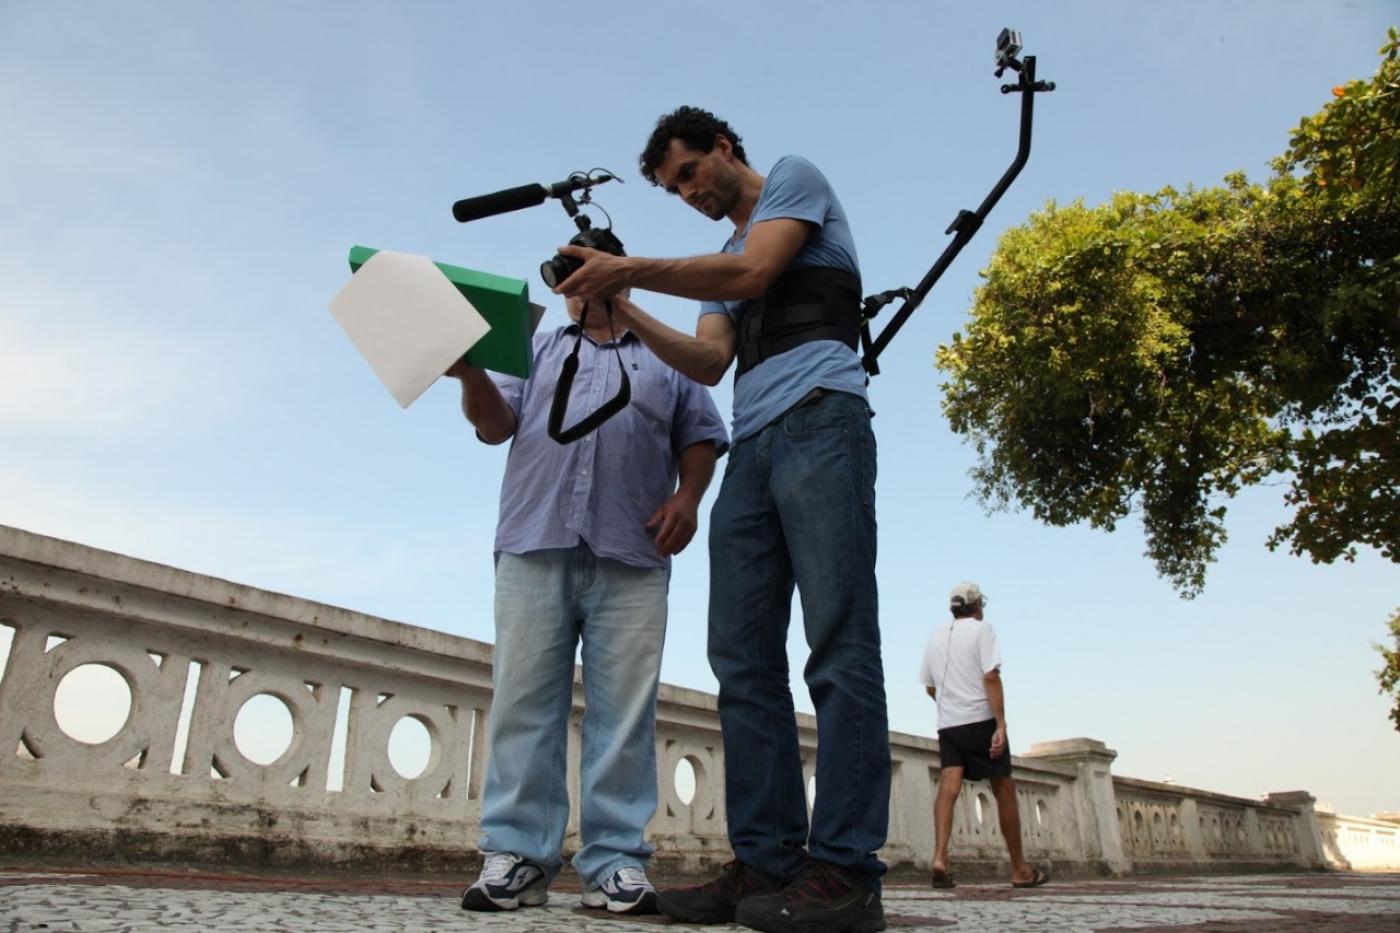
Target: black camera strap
x,y
565,386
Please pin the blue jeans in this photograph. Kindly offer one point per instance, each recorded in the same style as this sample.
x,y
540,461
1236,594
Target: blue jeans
x,y
545,602
797,506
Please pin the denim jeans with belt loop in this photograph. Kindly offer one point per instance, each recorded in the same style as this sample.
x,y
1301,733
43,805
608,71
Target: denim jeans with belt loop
x,y
797,507
546,603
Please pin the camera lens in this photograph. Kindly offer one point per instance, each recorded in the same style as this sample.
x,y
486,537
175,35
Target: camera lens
x,y
547,273
558,269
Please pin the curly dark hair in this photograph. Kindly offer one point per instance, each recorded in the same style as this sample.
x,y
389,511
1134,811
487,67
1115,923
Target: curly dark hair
x,y
696,128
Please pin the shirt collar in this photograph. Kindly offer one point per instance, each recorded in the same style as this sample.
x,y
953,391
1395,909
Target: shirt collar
x,y
572,328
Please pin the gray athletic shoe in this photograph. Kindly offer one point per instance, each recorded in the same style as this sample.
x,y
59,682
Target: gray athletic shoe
x,y
507,882
625,891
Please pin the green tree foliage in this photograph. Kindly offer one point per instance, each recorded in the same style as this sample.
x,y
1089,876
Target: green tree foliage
x,y
1389,676
1159,352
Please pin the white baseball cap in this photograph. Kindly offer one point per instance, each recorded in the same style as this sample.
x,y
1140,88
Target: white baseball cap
x,y
966,594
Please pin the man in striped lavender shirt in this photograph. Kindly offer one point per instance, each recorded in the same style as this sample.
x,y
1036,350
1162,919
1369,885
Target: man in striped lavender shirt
x,y
583,550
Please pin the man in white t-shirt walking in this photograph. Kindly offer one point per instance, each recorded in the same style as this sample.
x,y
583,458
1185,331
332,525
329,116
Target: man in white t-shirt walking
x,y
962,672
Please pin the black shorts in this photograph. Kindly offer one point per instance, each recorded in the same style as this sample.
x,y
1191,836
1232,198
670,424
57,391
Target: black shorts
x,y
968,747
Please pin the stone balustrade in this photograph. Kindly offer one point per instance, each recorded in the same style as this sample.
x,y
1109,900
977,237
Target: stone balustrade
x,y
173,783
1352,843
1169,828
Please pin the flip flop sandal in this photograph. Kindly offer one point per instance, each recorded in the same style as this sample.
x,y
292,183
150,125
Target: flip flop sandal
x,y
941,879
1035,882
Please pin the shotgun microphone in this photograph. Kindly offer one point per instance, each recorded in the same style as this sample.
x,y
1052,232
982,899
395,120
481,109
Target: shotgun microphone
x,y
515,199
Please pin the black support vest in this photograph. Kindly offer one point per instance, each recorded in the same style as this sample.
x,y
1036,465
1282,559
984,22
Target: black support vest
x,y
819,303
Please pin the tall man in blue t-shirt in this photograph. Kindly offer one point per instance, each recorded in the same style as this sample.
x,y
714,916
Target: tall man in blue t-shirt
x,y
797,507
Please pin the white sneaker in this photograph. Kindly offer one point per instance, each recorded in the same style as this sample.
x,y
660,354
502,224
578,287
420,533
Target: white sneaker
x,y
625,891
507,882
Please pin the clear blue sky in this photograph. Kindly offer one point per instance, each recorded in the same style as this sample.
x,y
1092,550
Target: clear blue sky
x,y
182,182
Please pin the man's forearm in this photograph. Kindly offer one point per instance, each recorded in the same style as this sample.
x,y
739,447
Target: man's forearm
x,y
996,698
713,277
769,248
697,468
486,409
702,360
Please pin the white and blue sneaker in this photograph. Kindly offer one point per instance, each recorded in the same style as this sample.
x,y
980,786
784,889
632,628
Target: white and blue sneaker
x,y
507,882
625,891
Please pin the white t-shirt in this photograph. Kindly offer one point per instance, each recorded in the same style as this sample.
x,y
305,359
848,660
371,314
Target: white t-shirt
x,y
959,652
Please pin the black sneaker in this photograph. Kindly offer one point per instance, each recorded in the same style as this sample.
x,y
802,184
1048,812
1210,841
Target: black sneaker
x,y
714,901
507,882
823,898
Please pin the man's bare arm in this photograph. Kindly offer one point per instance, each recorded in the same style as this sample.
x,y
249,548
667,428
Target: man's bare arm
x,y
996,698
769,247
675,521
704,357
483,403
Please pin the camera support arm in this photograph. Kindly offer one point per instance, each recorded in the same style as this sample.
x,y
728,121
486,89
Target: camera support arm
x,y
965,225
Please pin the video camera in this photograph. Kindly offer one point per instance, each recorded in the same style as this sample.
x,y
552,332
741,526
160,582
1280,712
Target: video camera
x,y
555,270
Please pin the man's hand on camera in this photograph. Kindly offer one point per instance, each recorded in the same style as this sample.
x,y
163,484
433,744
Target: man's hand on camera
x,y
601,275
674,523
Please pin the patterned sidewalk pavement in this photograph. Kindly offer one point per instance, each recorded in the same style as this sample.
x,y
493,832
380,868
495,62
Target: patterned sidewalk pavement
x,y
49,901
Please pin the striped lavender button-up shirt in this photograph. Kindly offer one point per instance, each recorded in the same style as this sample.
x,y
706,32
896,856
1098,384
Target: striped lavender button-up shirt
x,y
602,488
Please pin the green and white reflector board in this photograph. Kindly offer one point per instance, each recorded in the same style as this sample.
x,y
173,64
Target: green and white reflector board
x,y
412,318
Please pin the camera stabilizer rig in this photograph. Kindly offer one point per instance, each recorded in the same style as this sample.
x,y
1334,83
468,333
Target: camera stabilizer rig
x,y
967,223
556,270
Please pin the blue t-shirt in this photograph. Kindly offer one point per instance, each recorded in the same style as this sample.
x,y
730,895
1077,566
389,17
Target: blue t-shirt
x,y
797,190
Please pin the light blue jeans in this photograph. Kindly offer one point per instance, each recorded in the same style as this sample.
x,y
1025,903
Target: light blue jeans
x,y
546,602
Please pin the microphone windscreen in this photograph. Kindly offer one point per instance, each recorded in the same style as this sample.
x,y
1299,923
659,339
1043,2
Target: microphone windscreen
x,y
499,202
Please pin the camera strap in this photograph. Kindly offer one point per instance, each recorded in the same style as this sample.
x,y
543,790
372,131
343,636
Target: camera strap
x,y
565,386
817,303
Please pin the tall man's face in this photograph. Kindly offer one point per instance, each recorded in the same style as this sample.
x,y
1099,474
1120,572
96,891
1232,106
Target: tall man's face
x,y
707,181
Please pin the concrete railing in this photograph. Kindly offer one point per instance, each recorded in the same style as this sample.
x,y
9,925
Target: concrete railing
x,y
1351,843
1169,828
159,628
193,650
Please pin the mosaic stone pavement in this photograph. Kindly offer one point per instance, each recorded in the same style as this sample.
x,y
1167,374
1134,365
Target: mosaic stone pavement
x,y
51,901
